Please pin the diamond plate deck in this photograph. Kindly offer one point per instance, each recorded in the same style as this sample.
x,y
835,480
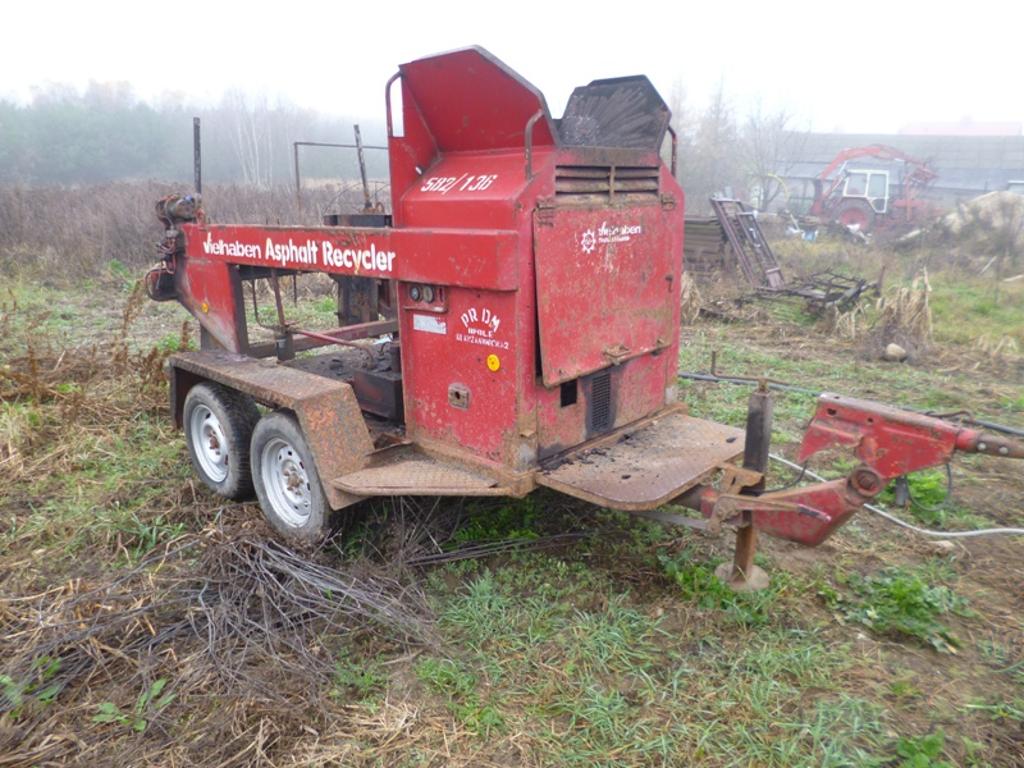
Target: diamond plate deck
x,y
649,466
408,472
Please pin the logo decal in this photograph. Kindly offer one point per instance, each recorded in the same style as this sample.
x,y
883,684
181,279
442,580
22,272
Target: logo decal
x,y
588,241
605,235
481,327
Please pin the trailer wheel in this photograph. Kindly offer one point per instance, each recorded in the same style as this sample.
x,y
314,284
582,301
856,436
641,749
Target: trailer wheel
x,y
287,484
218,428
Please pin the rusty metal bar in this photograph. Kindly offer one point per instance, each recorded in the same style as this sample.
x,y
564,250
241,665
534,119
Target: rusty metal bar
x,y
742,575
338,146
278,303
284,343
197,156
348,333
755,256
362,168
298,179
330,340
759,434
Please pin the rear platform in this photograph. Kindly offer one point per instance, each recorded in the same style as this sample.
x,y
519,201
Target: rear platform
x,y
641,469
407,471
635,469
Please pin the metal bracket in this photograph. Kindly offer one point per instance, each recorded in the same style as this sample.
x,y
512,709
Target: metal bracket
x,y
617,353
728,507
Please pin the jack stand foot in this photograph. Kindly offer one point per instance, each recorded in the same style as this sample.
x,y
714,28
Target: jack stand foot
x,y
754,581
741,575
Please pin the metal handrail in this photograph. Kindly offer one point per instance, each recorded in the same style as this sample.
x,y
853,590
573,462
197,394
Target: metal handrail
x,y
528,137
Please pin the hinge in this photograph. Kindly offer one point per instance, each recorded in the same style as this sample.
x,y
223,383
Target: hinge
x,y
545,212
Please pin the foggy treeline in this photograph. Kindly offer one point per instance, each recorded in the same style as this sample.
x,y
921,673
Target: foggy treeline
x,y
105,133
724,151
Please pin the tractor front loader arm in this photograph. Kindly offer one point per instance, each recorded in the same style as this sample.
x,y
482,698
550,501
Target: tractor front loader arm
x,y
889,442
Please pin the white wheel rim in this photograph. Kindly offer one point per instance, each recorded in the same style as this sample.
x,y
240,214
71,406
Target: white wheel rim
x,y
286,482
209,443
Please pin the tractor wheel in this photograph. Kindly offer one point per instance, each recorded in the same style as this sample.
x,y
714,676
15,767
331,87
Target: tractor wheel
x,y
858,213
287,484
218,428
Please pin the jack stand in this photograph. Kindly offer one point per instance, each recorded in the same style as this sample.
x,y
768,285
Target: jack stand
x,y
741,575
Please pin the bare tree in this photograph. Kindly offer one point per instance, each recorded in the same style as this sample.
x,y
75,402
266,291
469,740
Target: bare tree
x,y
250,136
771,148
709,161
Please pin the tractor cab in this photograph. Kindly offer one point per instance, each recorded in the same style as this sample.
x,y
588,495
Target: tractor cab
x,y
871,185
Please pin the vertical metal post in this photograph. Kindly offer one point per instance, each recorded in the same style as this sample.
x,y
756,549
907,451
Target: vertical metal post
x,y
283,341
298,179
197,156
367,207
741,574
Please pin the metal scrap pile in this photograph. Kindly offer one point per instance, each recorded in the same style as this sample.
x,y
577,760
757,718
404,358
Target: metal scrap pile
x,y
732,240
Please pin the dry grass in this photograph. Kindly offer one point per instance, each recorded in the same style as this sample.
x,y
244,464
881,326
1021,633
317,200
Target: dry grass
x,y
241,632
904,318
223,611
844,325
65,234
690,300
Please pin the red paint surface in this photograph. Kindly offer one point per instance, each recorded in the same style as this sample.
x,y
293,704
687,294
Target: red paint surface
x,y
464,211
607,287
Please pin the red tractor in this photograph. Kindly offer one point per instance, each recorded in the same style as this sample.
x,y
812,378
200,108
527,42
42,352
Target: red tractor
x,y
882,194
513,323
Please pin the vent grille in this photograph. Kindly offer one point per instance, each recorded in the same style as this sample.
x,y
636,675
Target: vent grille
x,y
601,402
605,183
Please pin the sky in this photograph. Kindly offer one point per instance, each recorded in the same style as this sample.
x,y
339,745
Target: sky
x,y
833,64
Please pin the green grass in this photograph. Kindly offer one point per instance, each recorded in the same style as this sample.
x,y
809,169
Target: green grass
x,y
923,751
966,309
621,649
697,583
900,602
38,690
149,702
111,485
361,678
308,312
514,519
460,687
999,709
931,504
554,649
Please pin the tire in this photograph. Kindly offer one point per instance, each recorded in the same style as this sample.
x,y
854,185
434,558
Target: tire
x,y
218,429
857,213
287,484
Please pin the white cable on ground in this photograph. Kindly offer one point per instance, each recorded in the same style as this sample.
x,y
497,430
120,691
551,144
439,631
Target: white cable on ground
x,y
893,519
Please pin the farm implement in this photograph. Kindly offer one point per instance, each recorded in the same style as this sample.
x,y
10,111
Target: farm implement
x,y
512,323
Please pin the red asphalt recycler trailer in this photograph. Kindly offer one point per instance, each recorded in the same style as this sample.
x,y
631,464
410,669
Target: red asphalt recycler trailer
x,y
514,322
